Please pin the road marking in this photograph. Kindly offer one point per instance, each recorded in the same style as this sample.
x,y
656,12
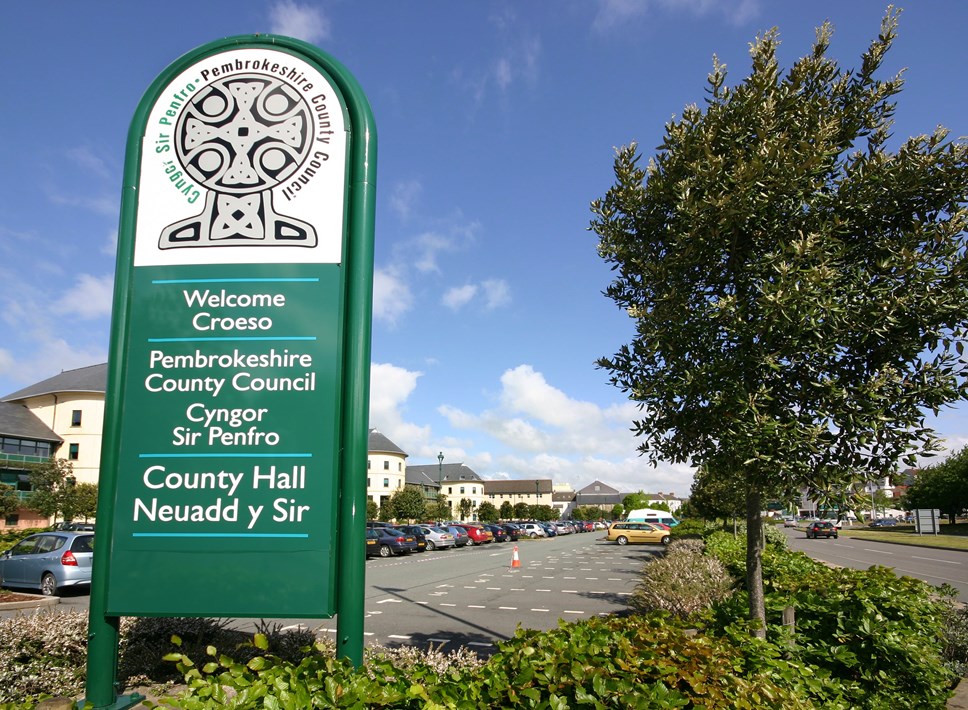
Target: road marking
x,y
570,611
625,594
389,601
469,587
476,606
445,604
934,559
569,591
421,602
542,590
442,586
514,589
438,594
571,578
494,589
508,608
540,610
868,549
398,636
479,643
592,579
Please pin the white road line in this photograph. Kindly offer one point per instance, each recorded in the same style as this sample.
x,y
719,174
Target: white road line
x,y
591,579
466,586
540,610
933,559
493,589
445,604
398,636
569,591
513,589
508,608
389,601
425,603
868,549
476,606
542,590
441,586
479,643
625,594
570,611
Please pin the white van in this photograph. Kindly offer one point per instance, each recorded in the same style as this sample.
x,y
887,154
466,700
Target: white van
x,y
650,515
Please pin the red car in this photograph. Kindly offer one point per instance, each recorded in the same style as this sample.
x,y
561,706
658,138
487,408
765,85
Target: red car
x,y
477,535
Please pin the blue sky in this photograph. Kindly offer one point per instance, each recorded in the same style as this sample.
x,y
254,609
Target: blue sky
x,y
497,124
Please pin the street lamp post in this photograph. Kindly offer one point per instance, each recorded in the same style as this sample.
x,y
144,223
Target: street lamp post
x,y
440,469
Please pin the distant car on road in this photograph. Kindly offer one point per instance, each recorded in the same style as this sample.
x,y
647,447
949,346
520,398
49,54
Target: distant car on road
x,y
49,561
624,533
822,528
461,538
883,523
390,541
438,538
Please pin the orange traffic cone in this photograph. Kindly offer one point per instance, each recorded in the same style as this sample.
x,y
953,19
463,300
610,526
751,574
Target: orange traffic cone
x,y
515,560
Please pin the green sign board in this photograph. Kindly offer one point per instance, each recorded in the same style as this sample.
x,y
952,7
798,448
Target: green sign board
x,y
234,459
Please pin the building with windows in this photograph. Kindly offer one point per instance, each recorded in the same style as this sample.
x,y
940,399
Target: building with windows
x,y
531,491
457,482
24,439
386,468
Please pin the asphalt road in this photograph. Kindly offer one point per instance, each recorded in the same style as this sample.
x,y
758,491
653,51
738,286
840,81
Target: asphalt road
x,y
473,597
934,566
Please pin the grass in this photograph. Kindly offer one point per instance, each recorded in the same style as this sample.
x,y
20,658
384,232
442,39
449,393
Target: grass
x,y
953,537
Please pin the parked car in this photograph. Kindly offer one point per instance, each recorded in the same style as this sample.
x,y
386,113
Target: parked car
x,y
822,528
550,530
49,561
564,528
514,532
624,533
438,538
789,522
461,538
532,530
883,523
391,541
477,534
499,533
418,535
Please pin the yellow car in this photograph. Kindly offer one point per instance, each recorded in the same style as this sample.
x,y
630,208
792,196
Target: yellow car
x,y
624,533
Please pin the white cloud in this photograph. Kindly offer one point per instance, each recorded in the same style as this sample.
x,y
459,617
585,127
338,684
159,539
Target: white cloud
x,y
392,297
497,293
300,21
617,14
403,197
90,297
459,296
91,163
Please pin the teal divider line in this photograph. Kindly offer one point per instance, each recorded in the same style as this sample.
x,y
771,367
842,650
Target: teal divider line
x,y
226,456
236,281
219,534
230,340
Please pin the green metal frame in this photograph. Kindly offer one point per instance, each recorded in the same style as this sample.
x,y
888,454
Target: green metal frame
x,y
101,688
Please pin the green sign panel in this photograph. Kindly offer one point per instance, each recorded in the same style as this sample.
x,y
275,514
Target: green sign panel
x,y
227,417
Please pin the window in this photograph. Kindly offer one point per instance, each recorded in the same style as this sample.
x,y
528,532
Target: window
x,y
399,465
73,452
386,482
462,490
386,465
369,464
474,490
450,490
76,417
367,481
12,519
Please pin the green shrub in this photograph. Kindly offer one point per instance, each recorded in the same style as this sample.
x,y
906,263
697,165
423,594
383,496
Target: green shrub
x,y
682,582
42,653
690,527
633,662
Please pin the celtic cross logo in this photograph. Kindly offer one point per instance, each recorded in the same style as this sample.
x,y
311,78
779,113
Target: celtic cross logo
x,y
240,137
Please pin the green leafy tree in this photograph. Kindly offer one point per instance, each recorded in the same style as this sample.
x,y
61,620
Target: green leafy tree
x,y
799,290
439,509
943,486
487,512
618,510
507,510
80,501
714,497
522,511
464,507
634,501
408,503
50,484
387,511
9,500
372,509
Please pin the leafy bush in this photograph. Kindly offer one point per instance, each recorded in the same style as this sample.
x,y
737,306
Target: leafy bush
x,y
690,527
42,653
682,582
630,662
881,636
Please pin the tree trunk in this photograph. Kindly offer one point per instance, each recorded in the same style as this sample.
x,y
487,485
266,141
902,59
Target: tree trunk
x,y
754,560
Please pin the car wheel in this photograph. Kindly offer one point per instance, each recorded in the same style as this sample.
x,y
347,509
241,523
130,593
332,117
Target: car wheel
x,y
534,535
431,546
622,540
48,585
470,543
385,551
665,540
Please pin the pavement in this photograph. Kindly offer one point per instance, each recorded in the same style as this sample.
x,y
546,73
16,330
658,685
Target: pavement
x,y
29,601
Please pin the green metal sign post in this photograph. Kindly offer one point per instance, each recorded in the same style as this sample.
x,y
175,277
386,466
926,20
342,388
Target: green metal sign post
x,y
234,458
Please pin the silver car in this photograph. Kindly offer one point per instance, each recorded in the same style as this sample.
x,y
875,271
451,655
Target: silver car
x,y
49,561
437,538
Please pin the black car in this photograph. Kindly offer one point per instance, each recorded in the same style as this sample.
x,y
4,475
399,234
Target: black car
x,y
499,533
513,531
390,541
822,528
418,534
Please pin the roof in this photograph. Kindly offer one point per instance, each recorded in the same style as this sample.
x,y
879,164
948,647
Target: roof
x,y
378,443
19,422
598,488
93,378
518,486
448,472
